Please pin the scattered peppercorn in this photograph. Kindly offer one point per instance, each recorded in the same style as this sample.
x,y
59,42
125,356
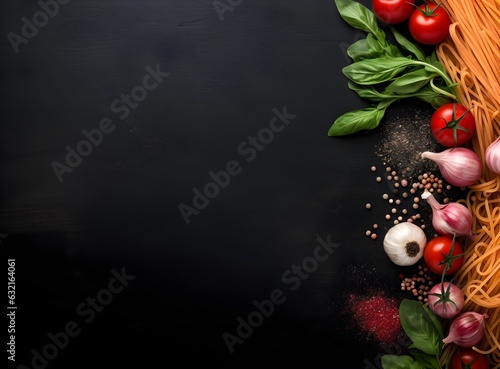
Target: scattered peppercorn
x,y
409,198
420,280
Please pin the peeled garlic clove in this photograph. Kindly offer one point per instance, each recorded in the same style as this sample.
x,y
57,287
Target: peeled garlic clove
x,y
404,243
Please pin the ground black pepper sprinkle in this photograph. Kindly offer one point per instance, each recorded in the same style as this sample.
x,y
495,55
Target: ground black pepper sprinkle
x,y
405,134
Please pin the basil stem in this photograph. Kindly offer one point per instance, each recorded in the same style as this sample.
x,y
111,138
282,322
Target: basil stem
x,y
445,76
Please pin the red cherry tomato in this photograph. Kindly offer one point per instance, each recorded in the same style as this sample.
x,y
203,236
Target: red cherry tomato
x,y
437,251
453,125
429,24
393,11
467,358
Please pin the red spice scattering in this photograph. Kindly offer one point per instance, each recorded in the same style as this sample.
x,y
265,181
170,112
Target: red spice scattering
x,y
377,316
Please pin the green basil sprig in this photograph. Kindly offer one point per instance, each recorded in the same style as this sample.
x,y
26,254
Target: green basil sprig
x,y
424,329
383,73
360,17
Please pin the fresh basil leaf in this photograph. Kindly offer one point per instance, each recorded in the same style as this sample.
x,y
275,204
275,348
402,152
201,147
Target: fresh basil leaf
x,y
433,61
427,361
399,362
355,121
430,96
432,66
378,70
419,327
374,44
437,323
358,50
366,48
410,82
407,45
368,92
371,48
385,103
360,17
392,50
431,58
434,100
426,94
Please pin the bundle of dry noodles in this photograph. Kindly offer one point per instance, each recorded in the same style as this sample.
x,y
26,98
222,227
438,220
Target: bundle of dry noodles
x,y
471,56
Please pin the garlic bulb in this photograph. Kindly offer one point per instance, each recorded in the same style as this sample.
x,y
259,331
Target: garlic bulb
x,y
451,218
404,243
493,156
467,329
459,166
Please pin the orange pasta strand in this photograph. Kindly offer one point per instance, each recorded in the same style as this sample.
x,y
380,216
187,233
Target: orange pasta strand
x,y
471,56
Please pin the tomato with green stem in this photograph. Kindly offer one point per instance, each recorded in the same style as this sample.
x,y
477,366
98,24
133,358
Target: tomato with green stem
x,y
468,358
443,252
429,24
453,124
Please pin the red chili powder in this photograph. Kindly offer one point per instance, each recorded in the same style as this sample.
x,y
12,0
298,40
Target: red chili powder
x,y
377,316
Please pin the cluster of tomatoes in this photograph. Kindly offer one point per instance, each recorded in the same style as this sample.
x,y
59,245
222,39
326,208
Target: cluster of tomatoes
x,y
452,124
428,23
436,252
